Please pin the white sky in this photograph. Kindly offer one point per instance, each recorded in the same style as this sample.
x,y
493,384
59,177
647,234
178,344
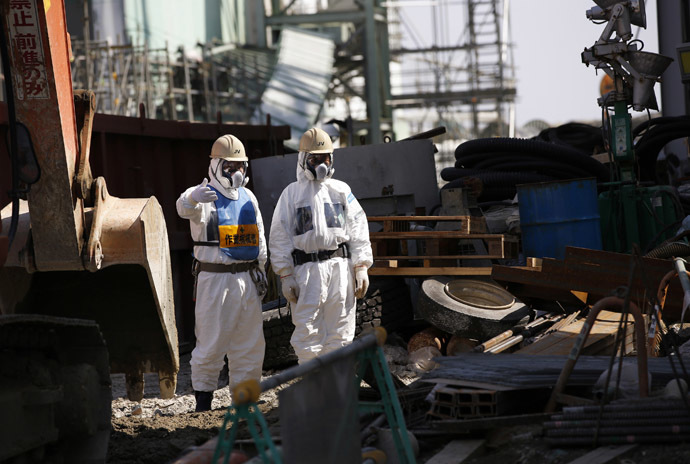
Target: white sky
x,y
552,82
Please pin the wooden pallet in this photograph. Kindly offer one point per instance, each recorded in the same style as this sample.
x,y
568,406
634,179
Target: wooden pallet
x,y
466,224
438,250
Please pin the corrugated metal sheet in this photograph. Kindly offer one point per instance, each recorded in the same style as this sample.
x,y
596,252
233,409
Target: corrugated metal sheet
x,y
529,371
297,88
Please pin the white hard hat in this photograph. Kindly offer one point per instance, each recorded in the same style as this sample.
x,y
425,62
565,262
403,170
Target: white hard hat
x,y
316,141
228,147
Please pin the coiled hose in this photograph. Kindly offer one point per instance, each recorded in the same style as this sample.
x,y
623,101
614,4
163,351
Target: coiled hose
x,y
467,153
657,133
583,137
674,249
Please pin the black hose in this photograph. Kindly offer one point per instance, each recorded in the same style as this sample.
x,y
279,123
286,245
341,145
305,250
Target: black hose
x,y
524,163
647,152
471,159
583,137
498,185
671,250
533,148
557,170
656,121
501,178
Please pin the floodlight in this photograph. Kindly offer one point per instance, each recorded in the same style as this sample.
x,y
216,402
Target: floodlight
x,y
638,16
649,67
621,15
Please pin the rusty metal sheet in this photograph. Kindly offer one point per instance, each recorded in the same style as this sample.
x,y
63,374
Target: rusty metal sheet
x,y
597,273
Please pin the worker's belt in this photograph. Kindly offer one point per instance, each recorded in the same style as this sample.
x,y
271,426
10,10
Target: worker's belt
x,y
301,257
233,268
255,273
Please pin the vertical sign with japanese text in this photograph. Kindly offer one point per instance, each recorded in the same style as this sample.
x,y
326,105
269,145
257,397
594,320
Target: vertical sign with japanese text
x,y
25,40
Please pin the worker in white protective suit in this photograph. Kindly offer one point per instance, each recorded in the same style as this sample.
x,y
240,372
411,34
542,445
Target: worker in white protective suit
x,y
319,243
230,256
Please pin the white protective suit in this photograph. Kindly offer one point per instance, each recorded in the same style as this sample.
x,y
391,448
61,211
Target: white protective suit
x,y
314,216
228,316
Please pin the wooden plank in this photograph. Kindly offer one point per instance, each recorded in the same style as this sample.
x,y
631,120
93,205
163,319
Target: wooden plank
x,y
456,452
415,234
407,258
420,218
386,263
468,224
603,454
601,336
468,383
443,248
429,271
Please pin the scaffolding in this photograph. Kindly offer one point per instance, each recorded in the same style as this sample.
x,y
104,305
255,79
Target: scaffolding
x,y
461,77
466,83
226,84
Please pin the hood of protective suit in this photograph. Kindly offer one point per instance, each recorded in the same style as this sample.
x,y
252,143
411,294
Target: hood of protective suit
x,y
304,174
222,183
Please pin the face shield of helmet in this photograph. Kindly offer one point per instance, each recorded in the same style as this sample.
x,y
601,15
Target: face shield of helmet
x,y
234,171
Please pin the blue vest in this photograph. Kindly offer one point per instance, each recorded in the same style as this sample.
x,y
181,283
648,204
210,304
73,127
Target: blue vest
x,y
238,232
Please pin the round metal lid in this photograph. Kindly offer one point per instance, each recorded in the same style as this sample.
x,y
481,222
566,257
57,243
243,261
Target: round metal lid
x,y
479,294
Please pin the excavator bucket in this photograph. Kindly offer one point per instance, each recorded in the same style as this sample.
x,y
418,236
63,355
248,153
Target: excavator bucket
x,y
130,297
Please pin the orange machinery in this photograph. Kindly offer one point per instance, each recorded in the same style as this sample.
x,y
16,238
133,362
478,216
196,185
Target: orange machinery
x,y
86,286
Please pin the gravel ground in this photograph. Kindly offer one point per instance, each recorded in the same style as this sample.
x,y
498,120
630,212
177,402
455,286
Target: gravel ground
x,y
157,431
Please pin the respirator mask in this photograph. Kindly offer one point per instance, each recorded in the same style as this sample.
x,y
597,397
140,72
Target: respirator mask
x,y
235,172
319,165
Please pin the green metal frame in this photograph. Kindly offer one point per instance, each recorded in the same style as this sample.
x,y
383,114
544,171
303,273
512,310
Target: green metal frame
x,y
629,213
258,428
389,401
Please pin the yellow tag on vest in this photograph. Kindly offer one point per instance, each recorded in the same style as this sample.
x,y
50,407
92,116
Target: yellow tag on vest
x,y
238,235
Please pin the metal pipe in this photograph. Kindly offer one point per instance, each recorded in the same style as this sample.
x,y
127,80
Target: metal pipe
x,y
609,422
616,440
653,405
369,430
670,429
512,341
685,283
500,338
627,415
610,302
524,332
358,345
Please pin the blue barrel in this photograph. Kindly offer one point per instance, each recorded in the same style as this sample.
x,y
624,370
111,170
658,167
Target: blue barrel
x,y
557,214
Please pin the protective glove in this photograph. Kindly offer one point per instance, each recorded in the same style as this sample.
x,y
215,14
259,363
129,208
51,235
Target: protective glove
x,y
288,285
203,193
361,281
